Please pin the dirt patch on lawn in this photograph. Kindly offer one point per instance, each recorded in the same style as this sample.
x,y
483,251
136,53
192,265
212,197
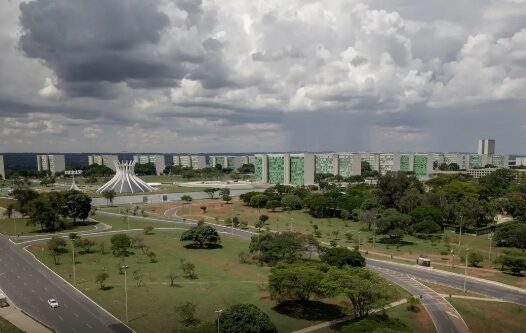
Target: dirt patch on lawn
x,y
424,320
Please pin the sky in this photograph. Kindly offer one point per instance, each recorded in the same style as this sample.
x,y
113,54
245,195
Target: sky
x,y
263,75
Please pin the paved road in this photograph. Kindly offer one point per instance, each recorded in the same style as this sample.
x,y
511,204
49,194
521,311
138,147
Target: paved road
x,y
444,316
153,198
29,285
480,286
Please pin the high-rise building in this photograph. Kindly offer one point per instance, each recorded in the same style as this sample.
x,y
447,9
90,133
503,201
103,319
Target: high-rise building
x,y
157,160
107,160
2,170
486,147
288,169
195,162
228,162
51,163
342,164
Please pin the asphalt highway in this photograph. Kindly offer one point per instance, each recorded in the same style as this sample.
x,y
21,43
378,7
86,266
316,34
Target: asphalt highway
x,y
444,316
483,287
29,285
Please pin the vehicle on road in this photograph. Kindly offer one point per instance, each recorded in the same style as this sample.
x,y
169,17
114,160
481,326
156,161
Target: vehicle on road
x,y
52,303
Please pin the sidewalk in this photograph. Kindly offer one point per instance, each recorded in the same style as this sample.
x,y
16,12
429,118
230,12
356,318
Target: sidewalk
x,y
487,299
16,317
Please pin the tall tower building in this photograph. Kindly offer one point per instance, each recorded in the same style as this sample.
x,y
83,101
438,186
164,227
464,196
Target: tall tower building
x,y
2,170
486,147
53,163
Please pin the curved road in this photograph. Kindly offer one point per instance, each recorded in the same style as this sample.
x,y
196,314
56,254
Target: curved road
x,y
29,284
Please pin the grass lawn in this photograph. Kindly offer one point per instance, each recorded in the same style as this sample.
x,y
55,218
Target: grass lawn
x,y
7,227
4,202
482,317
7,327
120,223
416,322
349,233
222,281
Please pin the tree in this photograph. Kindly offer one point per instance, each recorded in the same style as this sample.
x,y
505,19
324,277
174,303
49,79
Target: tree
x,y
246,318
120,244
272,248
394,224
224,191
77,205
364,288
291,202
513,235
148,230
85,244
475,258
426,227
188,269
45,210
263,218
9,211
341,256
172,276
515,264
186,198
391,187
272,205
55,247
226,198
24,195
101,279
296,282
109,196
211,191
186,313
201,236
258,200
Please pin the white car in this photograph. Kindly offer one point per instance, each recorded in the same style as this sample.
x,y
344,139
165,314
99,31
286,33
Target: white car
x,y
52,303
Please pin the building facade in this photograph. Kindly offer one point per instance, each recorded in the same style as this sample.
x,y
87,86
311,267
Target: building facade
x,y
106,160
486,147
157,160
288,169
51,163
227,162
2,168
195,162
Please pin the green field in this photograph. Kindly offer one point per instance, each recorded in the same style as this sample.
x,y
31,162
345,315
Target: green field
x,y
482,316
7,327
222,281
301,221
7,227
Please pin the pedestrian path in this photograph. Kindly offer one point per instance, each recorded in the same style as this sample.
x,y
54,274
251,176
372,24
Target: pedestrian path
x,y
18,318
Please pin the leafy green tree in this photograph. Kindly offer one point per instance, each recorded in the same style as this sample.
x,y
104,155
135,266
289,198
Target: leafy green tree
x,y
226,198
24,195
77,205
188,269
224,191
291,202
45,210
296,282
364,289
512,235
392,186
120,244
475,258
245,318
393,224
186,198
201,236
341,256
247,197
146,169
272,248
211,191
263,218
272,205
55,247
258,200
186,313
515,264
109,196
426,212
101,279
426,227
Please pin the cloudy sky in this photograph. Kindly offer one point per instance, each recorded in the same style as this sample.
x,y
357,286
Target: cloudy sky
x,y
262,75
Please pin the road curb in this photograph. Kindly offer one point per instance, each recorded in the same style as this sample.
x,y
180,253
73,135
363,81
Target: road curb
x,y
80,292
500,284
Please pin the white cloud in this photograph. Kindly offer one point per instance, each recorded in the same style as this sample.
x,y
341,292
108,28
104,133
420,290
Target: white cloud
x,y
50,90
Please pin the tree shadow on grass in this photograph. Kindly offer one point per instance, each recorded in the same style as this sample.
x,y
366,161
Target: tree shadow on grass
x,y
107,288
206,247
311,310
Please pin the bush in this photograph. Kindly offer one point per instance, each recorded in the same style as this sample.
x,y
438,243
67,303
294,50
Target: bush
x,y
341,256
246,318
475,258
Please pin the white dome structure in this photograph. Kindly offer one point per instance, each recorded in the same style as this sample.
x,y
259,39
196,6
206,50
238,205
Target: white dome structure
x,y
125,180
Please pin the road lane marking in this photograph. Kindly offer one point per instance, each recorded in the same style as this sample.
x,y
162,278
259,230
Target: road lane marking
x,y
76,315
89,326
452,315
59,317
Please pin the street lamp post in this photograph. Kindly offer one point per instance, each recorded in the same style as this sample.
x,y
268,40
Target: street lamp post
x,y
125,267
291,219
218,316
490,242
74,270
460,235
466,269
374,232
359,240
452,258
14,224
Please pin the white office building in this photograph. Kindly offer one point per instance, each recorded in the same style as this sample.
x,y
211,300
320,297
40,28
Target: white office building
x,y
51,163
2,169
157,160
107,160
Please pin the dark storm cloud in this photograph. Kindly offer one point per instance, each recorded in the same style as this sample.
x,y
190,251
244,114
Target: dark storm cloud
x,y
96,41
